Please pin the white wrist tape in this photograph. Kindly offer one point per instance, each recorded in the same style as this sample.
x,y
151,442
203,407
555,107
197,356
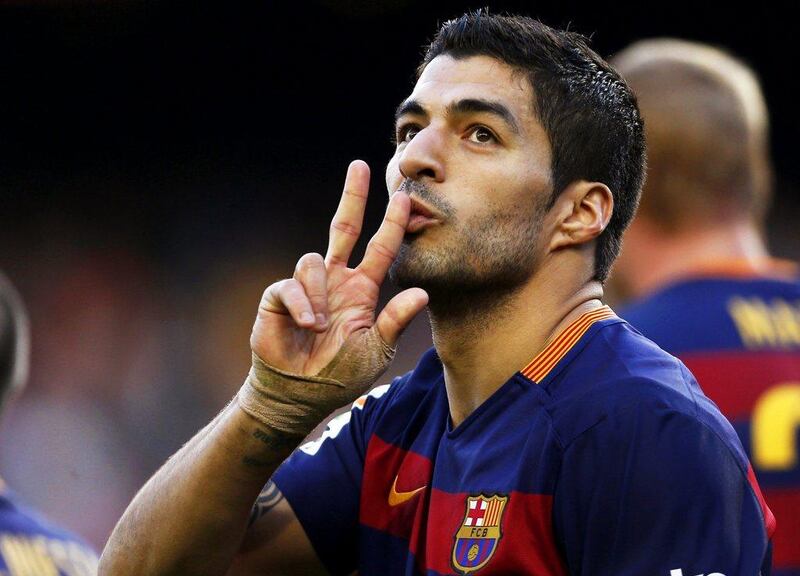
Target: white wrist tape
x,y
296,403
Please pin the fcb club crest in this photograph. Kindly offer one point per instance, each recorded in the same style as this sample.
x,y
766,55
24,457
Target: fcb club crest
x,y
479,534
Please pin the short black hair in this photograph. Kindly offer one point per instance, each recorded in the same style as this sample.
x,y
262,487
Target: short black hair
x,y
589,113
14,340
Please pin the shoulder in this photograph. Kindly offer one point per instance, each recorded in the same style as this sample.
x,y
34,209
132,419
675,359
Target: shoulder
x,y
654,422
24,529
621,377
648,419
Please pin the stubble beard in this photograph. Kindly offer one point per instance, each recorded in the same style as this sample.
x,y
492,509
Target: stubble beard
x,y
489,259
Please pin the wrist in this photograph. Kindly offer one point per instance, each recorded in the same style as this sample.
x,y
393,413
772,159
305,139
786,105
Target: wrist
x,y
287,404
296,403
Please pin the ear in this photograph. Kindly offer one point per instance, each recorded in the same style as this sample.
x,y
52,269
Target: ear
x,y
582,212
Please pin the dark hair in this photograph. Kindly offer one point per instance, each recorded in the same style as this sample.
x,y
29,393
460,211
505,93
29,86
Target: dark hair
x,y
14,340
587,110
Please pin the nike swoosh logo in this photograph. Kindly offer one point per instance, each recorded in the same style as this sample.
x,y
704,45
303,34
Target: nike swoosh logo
x,y
396,498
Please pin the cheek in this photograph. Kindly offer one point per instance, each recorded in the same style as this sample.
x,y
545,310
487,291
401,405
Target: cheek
x,y
393,176
516,178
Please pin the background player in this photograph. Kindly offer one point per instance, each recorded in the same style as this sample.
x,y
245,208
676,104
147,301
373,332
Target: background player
x,y
29,544
695,259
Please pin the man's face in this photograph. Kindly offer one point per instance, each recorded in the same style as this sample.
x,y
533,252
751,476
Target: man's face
x,y
475,160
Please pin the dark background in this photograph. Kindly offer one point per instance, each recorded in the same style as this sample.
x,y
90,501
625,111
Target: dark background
x,y
162,162
177,125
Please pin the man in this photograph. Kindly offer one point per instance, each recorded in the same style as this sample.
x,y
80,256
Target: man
x,y
29,544
542,435
696,261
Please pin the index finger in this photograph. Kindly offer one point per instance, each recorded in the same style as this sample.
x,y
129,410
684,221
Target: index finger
x,y
349,217
382,249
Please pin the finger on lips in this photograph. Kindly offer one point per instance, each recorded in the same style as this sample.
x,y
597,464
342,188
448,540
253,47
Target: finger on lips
x,y
382,248
305,296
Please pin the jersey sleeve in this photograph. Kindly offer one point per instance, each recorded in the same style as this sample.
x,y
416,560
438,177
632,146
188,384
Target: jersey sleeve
x,y
653,490
29,543
322,482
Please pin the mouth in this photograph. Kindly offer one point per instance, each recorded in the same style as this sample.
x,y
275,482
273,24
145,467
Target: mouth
x,y
421,217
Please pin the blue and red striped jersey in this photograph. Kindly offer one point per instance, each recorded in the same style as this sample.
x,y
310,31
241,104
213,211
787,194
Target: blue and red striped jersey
x,y
33,546
600,457
738,331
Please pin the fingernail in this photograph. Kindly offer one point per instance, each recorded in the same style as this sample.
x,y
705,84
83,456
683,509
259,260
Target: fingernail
x,y
321,320
306,317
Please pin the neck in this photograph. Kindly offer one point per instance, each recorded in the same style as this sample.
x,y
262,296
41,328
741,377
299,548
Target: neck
x,y
683,253
483,345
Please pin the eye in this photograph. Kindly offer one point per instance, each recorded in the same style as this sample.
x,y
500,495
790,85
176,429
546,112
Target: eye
x,y
406,132
482,135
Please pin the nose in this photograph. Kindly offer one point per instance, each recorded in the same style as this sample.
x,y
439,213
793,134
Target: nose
x,y
424,155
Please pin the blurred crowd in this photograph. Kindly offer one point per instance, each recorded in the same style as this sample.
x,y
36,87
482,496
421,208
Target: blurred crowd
x,y
129,360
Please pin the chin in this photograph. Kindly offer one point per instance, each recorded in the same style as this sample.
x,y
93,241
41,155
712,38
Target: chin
x,y
413,268
450,272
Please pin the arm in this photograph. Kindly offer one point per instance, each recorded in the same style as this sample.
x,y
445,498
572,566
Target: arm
x,y
275,539
317,345
192,515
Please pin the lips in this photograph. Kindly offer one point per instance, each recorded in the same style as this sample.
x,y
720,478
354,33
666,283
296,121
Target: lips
x,y
421,217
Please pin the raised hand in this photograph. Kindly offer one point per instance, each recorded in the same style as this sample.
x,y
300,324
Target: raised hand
x,y
305,321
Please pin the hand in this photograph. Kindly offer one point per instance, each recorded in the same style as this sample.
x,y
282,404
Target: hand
x,y
304,322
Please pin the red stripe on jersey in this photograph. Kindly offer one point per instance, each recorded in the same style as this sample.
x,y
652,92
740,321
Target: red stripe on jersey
x,y
389,468
527,525
786,550
734,380
769,519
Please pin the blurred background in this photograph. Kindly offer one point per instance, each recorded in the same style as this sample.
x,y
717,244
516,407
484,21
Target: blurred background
x,y
161,163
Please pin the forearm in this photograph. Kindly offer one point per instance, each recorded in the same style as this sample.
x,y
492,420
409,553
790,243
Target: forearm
x,y
192,514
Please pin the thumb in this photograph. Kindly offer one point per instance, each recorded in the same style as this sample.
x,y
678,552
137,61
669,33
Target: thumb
x,y
399,313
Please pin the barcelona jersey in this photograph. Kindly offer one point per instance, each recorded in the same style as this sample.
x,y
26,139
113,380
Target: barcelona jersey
x,y
738,331
32,546
600,457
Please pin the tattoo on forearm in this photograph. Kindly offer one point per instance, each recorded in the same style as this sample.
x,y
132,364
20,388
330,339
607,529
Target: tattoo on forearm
x,y
269,498
278,441
279,444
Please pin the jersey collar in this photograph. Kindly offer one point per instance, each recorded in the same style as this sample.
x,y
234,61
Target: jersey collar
x,y
538,368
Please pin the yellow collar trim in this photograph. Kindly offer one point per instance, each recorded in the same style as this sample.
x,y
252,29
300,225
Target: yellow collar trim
x,y
545,360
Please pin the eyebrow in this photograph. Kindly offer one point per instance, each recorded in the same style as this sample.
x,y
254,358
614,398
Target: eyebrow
x,y
409,107
461,107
